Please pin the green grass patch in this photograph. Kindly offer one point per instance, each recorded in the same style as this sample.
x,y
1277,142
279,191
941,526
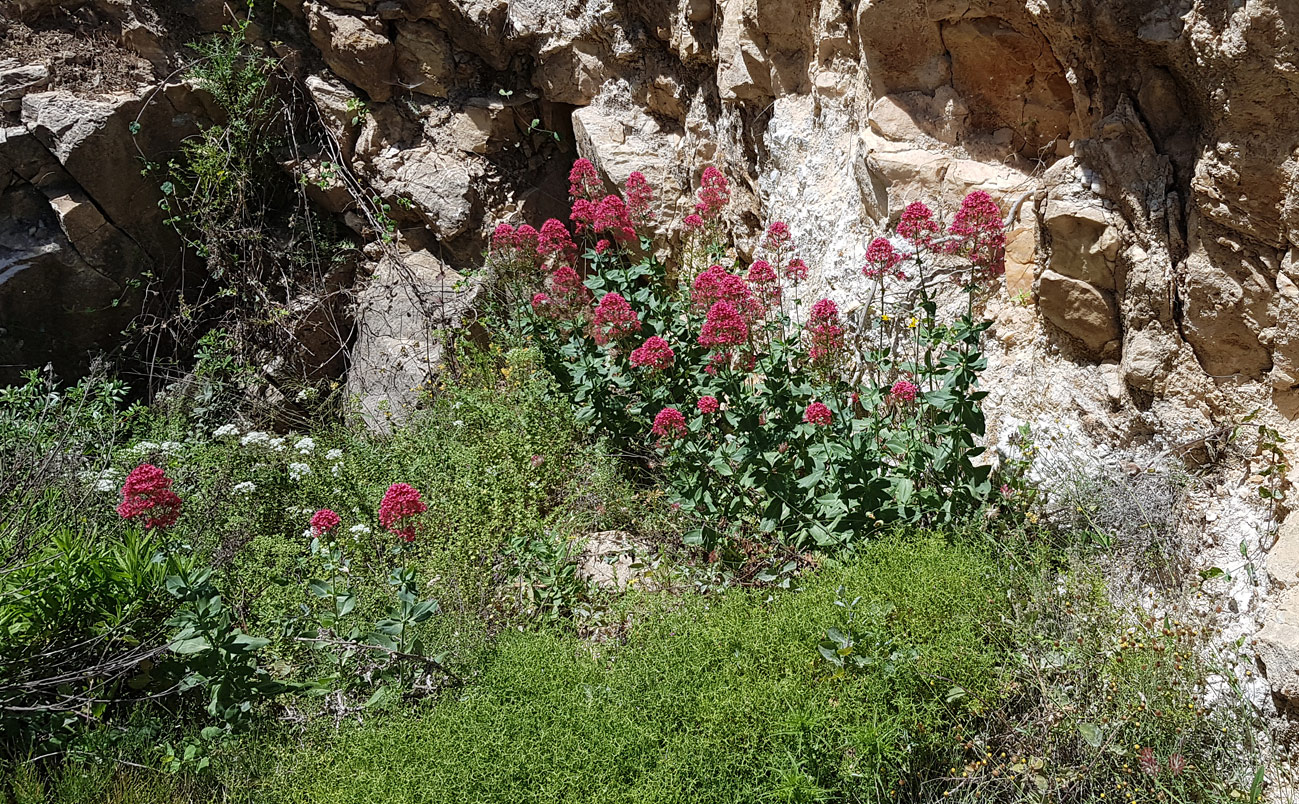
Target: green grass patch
x,y
709,699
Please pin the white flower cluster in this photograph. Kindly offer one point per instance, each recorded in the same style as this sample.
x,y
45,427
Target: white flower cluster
x,y
305,446
246,487
225,431
255,438
360,530
297,471
105,480
145,447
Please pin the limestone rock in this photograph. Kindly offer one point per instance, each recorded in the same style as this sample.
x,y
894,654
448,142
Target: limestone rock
x,y
355,48
15,82
1278,646
424,58
611,559
1083,245
339,107
570,72
1079,309
401,309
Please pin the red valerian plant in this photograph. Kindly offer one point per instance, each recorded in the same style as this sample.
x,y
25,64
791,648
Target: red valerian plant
x,y
882,260
639,196
613,320
398,511
817,414
669,424
824,334
147,496
977,233
554,240
584,180
904,391
724,326
655,354
817,431
323,522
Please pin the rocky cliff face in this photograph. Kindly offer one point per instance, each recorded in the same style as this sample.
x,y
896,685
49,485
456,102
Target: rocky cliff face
x,y
1145,151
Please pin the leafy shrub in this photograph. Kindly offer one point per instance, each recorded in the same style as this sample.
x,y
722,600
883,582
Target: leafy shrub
x,y
767,420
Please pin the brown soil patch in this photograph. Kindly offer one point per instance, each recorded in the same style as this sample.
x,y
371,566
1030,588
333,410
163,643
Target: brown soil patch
x,y
85,61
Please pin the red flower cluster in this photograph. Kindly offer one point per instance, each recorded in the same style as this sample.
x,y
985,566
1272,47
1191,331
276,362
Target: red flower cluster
x,y
609,214
817,415
639,195
980,235
693,222
555,239
324,521
762,277
569,291
669,424
777,238
918,224
655,353
882,260
401,504
613,319
724,326
584,180
797,270
714,194
515,249
825,335
717,284
904,391
708,404
147,495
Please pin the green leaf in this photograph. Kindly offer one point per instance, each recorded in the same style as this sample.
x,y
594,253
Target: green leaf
x,y
1091,734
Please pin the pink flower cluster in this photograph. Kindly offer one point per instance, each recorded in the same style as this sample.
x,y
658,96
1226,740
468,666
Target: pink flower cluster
x,y
714,194
717,285
398,511
724,326
796,271
584,180
609,216
568,298
639,195
762,278
669,424
554,239
708,405
613,319
882,260
817,415
917,224
825,335
323,522
979,234
147,495
515,250
654,353
904,391
777,238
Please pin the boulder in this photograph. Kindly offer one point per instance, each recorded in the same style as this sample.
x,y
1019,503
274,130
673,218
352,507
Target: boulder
x,y
400,313
570,72
1083,244
355,48
1079,309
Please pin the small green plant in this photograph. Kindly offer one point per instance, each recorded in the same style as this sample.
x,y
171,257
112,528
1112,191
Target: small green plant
x,y
863,641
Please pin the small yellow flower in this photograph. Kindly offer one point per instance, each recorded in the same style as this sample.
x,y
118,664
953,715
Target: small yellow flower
x,y
885,317
912,323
